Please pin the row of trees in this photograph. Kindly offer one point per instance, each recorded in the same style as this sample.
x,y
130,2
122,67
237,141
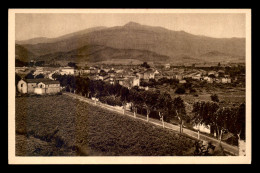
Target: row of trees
x,y
154,102
221,119
165,108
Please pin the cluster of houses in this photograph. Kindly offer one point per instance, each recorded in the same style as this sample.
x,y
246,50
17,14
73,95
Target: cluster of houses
x,y
211,76
125,76
197,74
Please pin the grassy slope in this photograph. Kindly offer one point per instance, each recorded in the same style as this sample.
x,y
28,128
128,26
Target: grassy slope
x,y
59,125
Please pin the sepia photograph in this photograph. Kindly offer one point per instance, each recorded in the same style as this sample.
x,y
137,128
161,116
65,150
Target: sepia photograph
x,y
129,86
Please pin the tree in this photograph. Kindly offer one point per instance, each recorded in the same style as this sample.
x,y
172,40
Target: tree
x,y
180,90
85,87
136,100
179,107
30,75
238,123
198,115
96,88
39,76
112,90
220,119
149,99
79,85
163,106
145,64
205,113
124,97
72,64
212,76
39,63
71,83
214,98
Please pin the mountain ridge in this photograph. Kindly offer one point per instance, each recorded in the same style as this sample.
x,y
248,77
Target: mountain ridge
x,y
144,38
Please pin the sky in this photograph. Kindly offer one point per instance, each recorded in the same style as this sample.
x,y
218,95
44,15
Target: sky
x,y
51,25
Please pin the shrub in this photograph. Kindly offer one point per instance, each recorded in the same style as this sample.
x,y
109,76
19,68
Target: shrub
x,y
180,90
192,90
214,98
110,100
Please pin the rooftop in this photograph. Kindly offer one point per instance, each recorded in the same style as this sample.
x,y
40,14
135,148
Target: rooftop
x,y
43,80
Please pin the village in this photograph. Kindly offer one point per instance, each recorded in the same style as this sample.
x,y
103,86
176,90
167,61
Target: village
x,y
166,80
130,76
129,84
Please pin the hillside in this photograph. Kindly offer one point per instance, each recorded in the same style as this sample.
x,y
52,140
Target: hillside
x,y
96,53
62,126
23,54
215,55
52,40
134,36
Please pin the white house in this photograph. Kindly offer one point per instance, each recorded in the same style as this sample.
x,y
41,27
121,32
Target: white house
x,y
167,66
202,128
67,70
225,80
182,81
179,76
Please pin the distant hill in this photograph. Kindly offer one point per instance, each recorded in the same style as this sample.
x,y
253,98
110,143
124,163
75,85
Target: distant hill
x,y
23,54
132,37
215,55
97,53
52,40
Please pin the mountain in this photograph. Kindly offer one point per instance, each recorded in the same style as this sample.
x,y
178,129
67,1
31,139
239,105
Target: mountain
x,y
35,40
134,36
97,53
52,40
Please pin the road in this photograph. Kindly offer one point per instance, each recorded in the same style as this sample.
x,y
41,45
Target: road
x,y
233,150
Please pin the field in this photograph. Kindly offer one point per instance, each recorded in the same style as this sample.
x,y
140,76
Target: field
x,y
61,126
227,95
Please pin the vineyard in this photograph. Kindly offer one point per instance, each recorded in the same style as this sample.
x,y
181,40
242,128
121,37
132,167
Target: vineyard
x,y
61,126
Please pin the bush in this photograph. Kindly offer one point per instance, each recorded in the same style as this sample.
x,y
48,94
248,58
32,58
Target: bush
x,y
110,100
214,98
192,90
180,90
195,95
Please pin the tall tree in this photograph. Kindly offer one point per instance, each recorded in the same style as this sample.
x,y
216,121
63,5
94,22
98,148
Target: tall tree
x,y
136,100
221,118
124,97
86,89
145,64
238,124
179,108
149,101
198,115
163,106
214,98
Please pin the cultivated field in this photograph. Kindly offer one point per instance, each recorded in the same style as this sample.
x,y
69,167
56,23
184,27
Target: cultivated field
x,y
59,125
